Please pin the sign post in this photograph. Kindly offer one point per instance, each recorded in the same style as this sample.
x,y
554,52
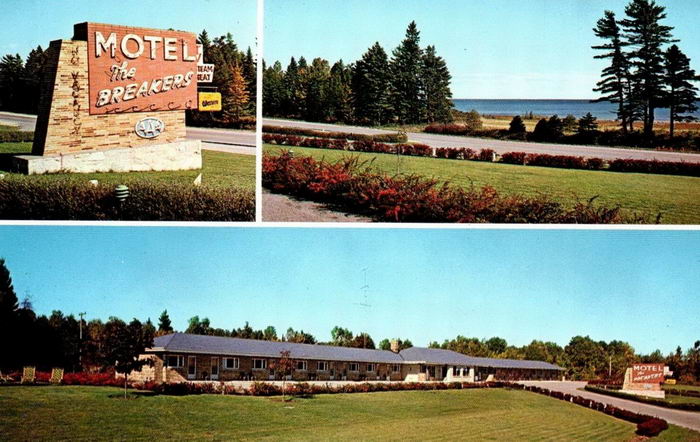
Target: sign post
x,y
645,380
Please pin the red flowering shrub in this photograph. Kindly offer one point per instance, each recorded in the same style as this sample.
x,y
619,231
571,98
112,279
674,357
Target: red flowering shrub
x,y
387,137
264,389
415,199
661,167
447,129
485,155
415,149
455,153
101,379
651,427
513,157
594,163
562,161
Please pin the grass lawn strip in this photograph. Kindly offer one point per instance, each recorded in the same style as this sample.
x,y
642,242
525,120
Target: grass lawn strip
x,y
219,169
677,198
89,412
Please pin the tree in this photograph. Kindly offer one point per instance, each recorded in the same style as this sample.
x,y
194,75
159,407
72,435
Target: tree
x,y
496,345
124,344
362,340
317,82
250,74
273,90
436,82
8,316
517,126
235,101
164,323
645,35
682,93
569,123
587,124
472,120
299,337
290,105
341,337
548,130
284,367
615,84
11,73
338,93
197,327
385,344
584,358
270,334
370,95
406,81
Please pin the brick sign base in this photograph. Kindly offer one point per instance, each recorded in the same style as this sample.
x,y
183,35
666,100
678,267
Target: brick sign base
x,y
65,128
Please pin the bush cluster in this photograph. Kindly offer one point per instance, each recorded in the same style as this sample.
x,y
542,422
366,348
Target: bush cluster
x,y
16,136
687,393
546,160
411,149
644,426
81,378
22,198
380,138
662,167
359,189
646,400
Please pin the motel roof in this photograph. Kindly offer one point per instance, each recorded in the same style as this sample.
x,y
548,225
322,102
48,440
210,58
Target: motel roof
x,y
225,346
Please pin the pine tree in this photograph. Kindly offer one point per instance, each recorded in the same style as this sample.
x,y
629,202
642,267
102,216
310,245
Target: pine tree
x,y
204,40
237,97
164,323
250,74
8,298
273,90
615,83
407,88
517,126
645,35
682,93
291,83
587,124
316,82
11,72
436,81
33,72
338,93
370,94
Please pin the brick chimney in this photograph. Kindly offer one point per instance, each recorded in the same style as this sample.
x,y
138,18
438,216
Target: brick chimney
x,y
394,345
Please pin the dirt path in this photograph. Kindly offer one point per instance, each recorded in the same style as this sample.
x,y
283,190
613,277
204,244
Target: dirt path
x,y
282,208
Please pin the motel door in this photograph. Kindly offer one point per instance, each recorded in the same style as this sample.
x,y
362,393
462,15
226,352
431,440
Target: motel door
x,y
214,369
191,367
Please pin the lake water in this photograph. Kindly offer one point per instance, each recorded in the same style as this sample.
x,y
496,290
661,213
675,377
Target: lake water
x,y
578,108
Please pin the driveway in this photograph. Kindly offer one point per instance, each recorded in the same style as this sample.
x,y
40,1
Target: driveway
x,y
502,146
681,418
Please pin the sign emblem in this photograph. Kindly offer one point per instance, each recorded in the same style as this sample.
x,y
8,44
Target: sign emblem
x,y
209,101
149,127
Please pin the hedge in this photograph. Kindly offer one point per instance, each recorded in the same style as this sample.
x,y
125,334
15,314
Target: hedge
x,y
662,167
16,136
644,399
21,198
411,198
385,138
646,425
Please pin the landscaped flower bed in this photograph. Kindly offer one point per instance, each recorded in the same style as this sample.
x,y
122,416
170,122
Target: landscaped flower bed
x,y
359,189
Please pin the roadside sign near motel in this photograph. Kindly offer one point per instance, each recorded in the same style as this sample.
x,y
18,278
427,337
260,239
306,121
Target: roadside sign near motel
x,y
647,373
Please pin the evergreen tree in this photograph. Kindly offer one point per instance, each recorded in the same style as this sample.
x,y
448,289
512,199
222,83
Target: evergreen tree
x,y
8,318
436,81
290,107
682,93
270,334
123,345
646,35
11,73
33,71
8,298
250,74
370,94
517,126
338,93
164,323
273,90
615,84
316,81
587,124
569,123
204,40
407,86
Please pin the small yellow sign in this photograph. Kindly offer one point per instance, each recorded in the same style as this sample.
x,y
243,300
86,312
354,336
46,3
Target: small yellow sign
x,y
209,101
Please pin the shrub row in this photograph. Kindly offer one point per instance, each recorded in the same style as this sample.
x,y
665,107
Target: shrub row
x,y
305,389
646,425
663,167
687,393
359,189
22,198
465,153
81,378
412,149
644,399
16,136
385,138
546,160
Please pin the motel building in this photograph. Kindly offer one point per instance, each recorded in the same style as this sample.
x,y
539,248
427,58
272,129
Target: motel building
x,y
181,357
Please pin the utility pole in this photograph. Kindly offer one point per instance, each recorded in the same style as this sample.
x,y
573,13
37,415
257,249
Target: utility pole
x,y
364,304
609,366
80,342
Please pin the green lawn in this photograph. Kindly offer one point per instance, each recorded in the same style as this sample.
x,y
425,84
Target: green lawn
x,y
681,387
220,169
677,198
99,413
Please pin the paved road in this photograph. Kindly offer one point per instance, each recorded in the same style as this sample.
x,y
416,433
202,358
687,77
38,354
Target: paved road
x,y
682,418
502,146
282,208
221,137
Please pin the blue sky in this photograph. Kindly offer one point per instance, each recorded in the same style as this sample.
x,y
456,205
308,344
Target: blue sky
x,y
24,24
493,48
428,284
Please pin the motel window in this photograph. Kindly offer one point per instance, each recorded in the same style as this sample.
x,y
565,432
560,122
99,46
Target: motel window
x,y
370,367
231,363
301,365
353,367
322,366
259,364
396,368
176,361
